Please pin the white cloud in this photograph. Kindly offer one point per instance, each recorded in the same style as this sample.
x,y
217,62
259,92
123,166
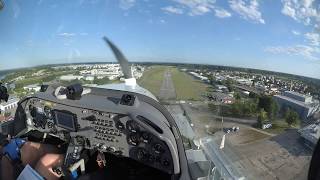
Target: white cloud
x,y
127,4
83,34
297,33
301,11
162,21
172,10
16,9
308,52
248,9
222,13
313,38
67,35
197,7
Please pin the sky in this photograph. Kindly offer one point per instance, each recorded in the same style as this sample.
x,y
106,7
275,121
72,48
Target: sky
x,y
277,35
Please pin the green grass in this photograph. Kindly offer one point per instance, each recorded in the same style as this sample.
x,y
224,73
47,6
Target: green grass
x,y
152,79
187,88
279,126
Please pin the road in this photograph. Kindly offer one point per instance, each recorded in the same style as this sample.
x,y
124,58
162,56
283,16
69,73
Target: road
x,y
167,90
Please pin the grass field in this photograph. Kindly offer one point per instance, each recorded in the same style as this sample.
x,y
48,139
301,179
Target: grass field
x,y
279,126
187,88
152,79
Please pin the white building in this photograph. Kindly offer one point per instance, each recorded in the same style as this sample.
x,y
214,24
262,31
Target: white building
x,y
32,87
70,77
11,104
89,78
302,104
203,78
242,81
311,133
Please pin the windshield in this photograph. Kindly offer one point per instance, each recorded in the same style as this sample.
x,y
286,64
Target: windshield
x,y
240,77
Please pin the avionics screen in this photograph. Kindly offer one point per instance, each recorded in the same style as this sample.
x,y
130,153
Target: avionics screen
x,y
65,120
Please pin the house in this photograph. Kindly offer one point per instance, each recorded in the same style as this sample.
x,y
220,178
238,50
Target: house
x,y
32,87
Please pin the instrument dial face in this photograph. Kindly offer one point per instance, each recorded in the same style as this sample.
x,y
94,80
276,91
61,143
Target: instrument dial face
x,y
132,126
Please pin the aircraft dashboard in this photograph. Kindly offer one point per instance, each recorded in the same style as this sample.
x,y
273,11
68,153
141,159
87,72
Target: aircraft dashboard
x,y
120,123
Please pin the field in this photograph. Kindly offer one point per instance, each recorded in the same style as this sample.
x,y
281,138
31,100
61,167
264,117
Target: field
x,y
187,88
152,79
279,126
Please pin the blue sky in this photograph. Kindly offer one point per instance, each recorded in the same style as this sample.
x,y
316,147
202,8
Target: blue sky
x,y
272,34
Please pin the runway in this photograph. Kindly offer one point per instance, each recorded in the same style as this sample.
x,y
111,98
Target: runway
x,y
167,90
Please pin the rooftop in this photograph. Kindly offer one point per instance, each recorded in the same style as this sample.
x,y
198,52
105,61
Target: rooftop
x,y
297,94
311,132
32,86
307,105
10,100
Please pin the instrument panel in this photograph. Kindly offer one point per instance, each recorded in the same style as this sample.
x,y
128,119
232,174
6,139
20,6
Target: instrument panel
x,y
117,133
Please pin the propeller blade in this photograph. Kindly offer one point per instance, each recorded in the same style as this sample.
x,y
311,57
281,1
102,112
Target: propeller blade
x,y
125,66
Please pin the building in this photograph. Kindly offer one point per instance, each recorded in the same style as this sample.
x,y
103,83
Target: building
x,y
298,96
222,88
70,77
221,98
311,134
89,78
199,76
302,104
10,105
32,87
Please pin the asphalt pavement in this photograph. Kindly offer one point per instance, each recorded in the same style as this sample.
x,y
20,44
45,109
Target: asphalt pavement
x,y
167,90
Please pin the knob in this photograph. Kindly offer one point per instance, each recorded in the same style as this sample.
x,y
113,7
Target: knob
x,y
165,162
112,149
146,137
158,148
119,152
103,147
120,126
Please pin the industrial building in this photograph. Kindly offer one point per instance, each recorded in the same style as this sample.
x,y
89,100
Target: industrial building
x,y
10,105
304,105
311,134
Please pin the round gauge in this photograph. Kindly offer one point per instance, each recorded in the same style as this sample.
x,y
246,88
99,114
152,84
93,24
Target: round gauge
x,y
146,137
119,125
133,139
132,126
158,149
50,124
142,154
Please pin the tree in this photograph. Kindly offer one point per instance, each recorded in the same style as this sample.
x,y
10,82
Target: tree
x,y
211,79
262,117
291,117
269,105
253,95
237,96
7,114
